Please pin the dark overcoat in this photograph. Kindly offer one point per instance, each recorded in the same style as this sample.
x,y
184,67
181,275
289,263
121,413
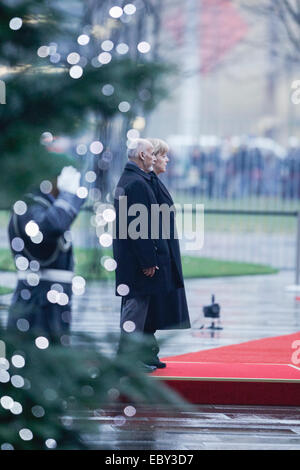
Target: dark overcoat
x,y
30,309
134,255
169,310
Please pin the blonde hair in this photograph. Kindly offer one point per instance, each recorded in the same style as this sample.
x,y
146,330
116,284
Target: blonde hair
x,y
159,145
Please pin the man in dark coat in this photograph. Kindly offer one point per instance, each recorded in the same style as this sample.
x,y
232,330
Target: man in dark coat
x,y
144,263
41,245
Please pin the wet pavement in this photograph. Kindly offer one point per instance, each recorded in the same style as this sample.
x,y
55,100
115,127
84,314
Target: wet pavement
x,y
252,307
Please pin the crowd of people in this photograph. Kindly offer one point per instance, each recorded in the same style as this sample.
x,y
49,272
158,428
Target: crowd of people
x,y
223,171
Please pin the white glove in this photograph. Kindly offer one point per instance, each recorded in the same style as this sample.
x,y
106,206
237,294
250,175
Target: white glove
x,y
69,180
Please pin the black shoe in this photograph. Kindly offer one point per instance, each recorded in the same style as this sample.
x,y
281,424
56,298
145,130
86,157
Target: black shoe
x,y
146,367
157,363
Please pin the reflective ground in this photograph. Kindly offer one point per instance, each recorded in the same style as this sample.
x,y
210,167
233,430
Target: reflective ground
x,y
252,308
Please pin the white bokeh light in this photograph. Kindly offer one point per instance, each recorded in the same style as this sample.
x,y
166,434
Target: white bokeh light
x,y
25,434
82,192
46,187
143,47
124,106
96,147
123,289
76,72
18,361
31,228
90,176
83,39
81,149
104,58
110,264
122,48
73,58
109,215
105,240
22,263
43,51
129,326
6,402
15,23
107,45
17,408
41,342
20,207
108,90
116,12
129,9
17,244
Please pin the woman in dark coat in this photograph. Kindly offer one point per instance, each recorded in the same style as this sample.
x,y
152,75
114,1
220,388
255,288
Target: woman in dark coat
x,y
170,310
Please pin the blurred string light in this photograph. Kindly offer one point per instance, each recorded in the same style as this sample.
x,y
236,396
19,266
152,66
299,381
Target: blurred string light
x,y
15,23
143,47
46,187
123,289
108,90
6,402
17,244
22,263
41,342
18,361
133,134
17,381
107,45
82,192
116,12
104,58
105,240
23,324
20,207
46,138
31,228
124,107
51,443
38,411
129,9
110,264
76,72
96,147
73,58
90,176
139,123
25,294
43,51
122,48
81,149
26,434
83,39
129,410
129,326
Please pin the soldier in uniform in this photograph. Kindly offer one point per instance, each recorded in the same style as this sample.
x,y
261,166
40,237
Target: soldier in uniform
x,y
42,249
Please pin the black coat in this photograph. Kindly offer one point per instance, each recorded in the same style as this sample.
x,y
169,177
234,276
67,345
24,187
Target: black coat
x,y
132,256
169,311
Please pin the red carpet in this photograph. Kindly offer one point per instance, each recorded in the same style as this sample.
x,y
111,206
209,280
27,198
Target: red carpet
x,y
259,372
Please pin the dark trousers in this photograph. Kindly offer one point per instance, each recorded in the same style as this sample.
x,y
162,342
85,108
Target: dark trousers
x,y
134,312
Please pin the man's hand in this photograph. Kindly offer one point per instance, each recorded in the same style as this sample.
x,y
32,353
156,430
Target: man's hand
x,y
149,272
